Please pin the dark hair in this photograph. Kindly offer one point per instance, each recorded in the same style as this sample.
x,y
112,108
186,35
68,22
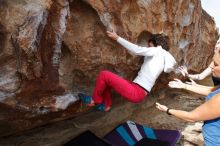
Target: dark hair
x,y
153,40
162,40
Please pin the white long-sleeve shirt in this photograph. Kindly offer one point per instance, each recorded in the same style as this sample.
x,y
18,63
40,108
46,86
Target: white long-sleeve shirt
x,y
156,60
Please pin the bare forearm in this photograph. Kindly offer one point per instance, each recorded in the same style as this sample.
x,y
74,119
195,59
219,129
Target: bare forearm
x,y
198,89
207,87
183,115
194,77
202,75
207,111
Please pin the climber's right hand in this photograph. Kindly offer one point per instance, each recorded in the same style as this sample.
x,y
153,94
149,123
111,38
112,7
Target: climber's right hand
x,y
113,35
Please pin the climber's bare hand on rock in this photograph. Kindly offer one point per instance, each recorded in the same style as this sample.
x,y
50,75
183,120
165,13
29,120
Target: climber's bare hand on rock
x,y
112,35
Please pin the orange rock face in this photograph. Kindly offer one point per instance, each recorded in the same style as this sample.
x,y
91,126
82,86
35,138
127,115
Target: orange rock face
x,y
51,49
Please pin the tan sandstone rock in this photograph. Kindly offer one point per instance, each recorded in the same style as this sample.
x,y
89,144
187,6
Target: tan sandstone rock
x,y
50,49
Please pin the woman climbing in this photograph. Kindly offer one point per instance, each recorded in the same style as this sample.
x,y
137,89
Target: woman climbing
x,y
156,60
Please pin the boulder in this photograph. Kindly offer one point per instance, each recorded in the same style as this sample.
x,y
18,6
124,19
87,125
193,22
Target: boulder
x,y
50,50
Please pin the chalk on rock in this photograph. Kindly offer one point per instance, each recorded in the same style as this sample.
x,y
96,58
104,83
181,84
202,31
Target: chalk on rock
x,y
62,102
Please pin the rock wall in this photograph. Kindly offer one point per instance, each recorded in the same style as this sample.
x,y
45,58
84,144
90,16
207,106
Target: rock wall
x,y
50,50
